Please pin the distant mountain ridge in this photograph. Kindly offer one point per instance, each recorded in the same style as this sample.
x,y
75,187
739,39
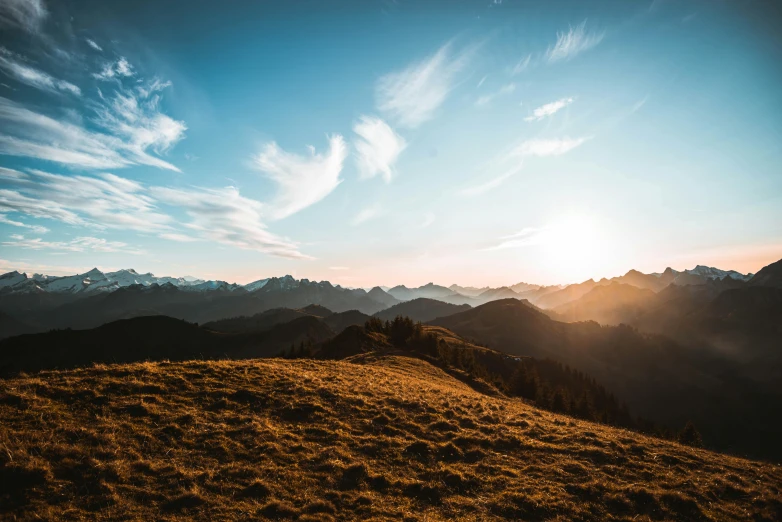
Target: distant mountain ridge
x,y
39,301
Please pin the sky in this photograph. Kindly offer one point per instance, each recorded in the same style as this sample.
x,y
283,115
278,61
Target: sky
x,y
382,143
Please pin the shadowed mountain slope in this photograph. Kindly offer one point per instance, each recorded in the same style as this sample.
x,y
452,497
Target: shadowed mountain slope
x,y
610,304
659,378
421,309
770,275
155,338
10,326
567,294
381,438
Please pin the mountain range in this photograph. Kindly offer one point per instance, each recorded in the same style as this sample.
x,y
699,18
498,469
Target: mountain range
x,y
706,351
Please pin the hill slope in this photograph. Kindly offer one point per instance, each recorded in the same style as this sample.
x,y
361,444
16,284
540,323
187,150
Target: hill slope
x,y
659,378
381,438
421,309
156,338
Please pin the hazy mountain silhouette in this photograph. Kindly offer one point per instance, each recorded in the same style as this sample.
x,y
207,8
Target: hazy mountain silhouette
x,y
658,377
608,304
421,309
429,291
567,294
151,338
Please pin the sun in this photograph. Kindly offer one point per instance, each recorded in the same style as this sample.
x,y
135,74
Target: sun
x,y
577,248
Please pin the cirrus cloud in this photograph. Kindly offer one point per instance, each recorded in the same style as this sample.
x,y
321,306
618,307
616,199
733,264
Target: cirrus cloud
x,y
377,147
413,95
548,109
301,180
573,42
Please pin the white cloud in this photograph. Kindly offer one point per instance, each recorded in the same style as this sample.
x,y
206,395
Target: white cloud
x,y
111,70
302,180
520,66
505,89
180,238
108,201
136,123
29,75
23,14
377,147
80,244
548,109
104,201
412,95
35,228
552,147
366,214
525,237
149,88
94,45
495,182
138,120
224,216
509,164
573,42
12,201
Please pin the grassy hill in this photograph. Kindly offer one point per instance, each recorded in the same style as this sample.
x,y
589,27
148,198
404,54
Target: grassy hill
x,y
373,437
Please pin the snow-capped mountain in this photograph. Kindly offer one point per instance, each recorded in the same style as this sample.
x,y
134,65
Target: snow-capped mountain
x,y
206,286
710,272
88,282
256,285
96,281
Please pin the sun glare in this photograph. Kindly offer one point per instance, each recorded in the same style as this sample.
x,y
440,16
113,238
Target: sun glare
x,y
577,247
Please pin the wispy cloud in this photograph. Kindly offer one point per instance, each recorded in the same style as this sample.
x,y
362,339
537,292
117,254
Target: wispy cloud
x,y
339,268
225,216
572,42
302,180
80,244
13,67
108,201
366,214
520,66
493,183
134,116
4,219
92,44
429,218
134,124
118,69
548,109
104,201
502,91
525,237
413,95
23,14
508,164
180,238
551,147
377,148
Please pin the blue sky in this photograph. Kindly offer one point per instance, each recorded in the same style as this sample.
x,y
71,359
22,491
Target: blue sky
x,y
390,142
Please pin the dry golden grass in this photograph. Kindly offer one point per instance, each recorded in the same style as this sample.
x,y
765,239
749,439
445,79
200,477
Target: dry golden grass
x,y
372,438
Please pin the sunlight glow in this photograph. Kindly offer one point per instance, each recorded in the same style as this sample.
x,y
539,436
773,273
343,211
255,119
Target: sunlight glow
x,y
577,248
